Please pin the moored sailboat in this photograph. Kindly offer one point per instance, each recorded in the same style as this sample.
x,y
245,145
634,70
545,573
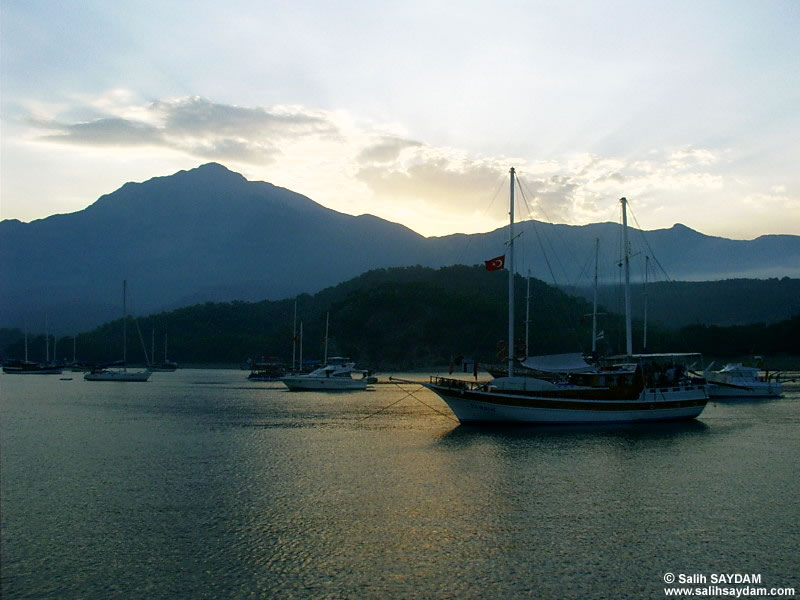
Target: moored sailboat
x,y
619,389
27,367
103,373
166,366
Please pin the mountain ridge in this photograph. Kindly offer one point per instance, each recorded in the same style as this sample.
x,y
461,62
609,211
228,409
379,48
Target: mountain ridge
x,y
209,234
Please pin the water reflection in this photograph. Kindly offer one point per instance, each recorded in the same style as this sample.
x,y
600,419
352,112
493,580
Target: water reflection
x,y
465,434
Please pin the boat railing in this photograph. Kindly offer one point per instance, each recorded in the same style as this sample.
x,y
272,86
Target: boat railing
x,y
661,389
456,384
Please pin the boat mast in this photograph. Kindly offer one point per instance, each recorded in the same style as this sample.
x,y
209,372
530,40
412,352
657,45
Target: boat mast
x,y
124,324
294,335
327,322
646,268
594,303
301,345
626,252
74,348
511,276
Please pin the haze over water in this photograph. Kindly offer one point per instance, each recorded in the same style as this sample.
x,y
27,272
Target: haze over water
x,y
200,484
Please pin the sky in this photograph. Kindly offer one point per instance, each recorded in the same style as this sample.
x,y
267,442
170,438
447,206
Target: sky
x,y
415,110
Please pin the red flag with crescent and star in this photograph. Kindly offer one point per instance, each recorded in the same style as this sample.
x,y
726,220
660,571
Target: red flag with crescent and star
x,y
495,264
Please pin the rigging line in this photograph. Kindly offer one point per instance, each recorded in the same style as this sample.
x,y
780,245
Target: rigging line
x,y
541,246
460,258
433,409
641,232
549,241
390,405
411,393
538,237
583,271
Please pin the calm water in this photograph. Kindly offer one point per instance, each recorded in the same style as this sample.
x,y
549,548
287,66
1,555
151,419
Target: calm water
x,y
200,484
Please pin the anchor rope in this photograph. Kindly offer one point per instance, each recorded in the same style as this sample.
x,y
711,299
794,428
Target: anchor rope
x,y
408,394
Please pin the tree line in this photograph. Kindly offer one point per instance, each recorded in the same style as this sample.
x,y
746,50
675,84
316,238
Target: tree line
x,y
397,319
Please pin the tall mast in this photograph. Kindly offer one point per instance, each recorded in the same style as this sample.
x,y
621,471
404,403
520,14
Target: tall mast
x,y
46,340
74,348
511,275
294,334
327,322
646,268
626,252
124,324
153,344
301,345
594,303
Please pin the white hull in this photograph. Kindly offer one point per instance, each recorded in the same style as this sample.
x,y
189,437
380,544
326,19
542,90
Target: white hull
x,y
324,383
738,381
118,376
771,390
471,406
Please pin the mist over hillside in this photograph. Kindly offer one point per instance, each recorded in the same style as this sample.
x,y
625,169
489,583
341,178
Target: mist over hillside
x,y
208,234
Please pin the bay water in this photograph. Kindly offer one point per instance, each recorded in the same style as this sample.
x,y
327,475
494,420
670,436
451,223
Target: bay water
x,y
202,484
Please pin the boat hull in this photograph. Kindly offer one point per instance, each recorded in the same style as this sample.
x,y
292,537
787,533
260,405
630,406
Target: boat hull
x,y
324,383
36,371
734,391
139,376
475,406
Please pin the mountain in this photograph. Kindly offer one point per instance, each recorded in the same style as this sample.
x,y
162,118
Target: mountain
x,y
208,234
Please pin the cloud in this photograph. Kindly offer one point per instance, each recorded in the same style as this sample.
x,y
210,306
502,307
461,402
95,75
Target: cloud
x,y
199,117
194,126
110,131
357,166
386,150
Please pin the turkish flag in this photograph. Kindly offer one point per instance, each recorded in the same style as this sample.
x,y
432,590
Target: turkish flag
x,y
495,264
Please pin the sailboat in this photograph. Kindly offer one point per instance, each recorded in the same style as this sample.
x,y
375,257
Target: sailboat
x,y
27,367
621,389
167,365
104,374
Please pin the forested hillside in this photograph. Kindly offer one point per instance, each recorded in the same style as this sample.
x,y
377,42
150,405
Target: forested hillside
x,y
727,302
401,318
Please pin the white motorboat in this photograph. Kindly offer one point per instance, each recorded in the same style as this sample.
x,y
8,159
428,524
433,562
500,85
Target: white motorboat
x,y
739,381
337,375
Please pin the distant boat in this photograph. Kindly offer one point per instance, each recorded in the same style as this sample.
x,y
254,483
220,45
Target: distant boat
x,y
739,381
620,389
165,366
101,373
337,375
27,367
266,369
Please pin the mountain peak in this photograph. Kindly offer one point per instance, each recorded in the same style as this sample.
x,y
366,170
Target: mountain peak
x,y
212,172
